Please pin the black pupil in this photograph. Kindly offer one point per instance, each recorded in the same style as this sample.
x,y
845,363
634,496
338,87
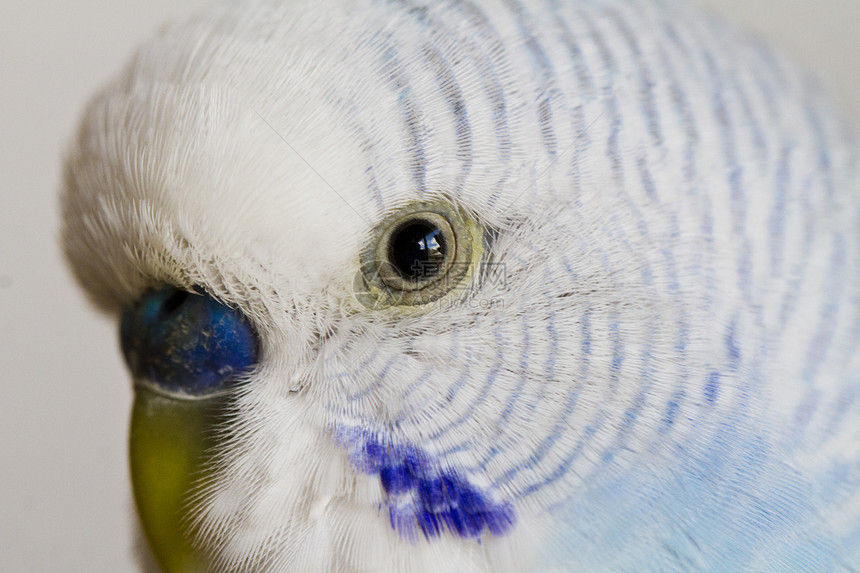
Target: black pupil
x,y
418,250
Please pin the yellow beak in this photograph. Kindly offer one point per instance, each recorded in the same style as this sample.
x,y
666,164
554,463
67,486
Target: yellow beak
x,y
169,442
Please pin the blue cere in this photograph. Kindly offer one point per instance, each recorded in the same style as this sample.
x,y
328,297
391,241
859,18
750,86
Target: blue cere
x,y
422,495
186,343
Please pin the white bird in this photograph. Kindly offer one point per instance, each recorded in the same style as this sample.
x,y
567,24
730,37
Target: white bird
x,y
478,286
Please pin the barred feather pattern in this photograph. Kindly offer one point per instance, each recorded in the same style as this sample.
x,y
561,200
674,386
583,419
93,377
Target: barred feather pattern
x,y
655,367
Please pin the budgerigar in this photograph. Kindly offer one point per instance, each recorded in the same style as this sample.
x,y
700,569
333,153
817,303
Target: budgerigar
x,y
478,286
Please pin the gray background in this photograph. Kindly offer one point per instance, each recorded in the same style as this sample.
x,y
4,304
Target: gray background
x,y
64,496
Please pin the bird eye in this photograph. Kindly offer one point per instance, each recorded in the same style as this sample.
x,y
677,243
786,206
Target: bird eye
x,y
186,344
420,254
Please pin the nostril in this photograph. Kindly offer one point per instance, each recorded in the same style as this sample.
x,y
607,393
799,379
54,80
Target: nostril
x,y
173,302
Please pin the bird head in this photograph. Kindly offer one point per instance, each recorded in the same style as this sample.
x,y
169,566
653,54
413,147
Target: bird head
x,y
391,287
